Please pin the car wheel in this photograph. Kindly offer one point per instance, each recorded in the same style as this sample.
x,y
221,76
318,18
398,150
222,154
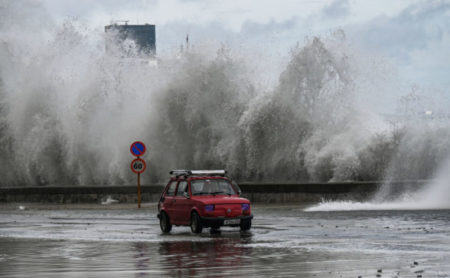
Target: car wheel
x,y
246,224
196,225
164,223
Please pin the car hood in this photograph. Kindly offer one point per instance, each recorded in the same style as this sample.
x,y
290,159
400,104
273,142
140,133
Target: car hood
x,y
221,199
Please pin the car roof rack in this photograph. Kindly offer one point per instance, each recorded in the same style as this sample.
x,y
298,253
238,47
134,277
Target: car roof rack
x,y
198,172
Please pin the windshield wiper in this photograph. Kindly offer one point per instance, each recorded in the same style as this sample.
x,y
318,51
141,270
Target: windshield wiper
x,y
200,193
212,193
220,192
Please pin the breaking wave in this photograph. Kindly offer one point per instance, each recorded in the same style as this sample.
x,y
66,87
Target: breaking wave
x,y
69,111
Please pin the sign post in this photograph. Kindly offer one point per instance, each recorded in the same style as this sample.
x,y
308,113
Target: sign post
x,y
138,165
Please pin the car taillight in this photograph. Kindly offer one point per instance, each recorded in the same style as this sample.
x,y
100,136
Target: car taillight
x,y
245,207
209,208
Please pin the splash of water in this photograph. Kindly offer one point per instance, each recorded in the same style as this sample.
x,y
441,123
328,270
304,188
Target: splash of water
x,y
68,112
434,195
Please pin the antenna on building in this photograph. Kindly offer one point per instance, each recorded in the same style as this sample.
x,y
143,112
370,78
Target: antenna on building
x,y
187,41
125,22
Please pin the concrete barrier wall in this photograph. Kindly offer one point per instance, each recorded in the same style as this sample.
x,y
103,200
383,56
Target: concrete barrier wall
x,y
308,192
256,192
79,194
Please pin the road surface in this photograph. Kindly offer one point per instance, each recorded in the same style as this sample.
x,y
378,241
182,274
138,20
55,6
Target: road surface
x,y
285,241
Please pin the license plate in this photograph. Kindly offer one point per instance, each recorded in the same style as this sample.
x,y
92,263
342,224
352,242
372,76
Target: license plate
x,y
231,221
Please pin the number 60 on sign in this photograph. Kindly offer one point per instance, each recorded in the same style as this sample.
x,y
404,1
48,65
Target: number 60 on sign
x,y
138,166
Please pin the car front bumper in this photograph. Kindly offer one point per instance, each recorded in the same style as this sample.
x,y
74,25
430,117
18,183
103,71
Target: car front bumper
x,y
221,221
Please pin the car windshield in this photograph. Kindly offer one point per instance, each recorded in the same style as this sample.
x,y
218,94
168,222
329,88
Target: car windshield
x,y
211,187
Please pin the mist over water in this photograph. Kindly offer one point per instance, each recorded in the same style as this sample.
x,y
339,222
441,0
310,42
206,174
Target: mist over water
x,y
69,111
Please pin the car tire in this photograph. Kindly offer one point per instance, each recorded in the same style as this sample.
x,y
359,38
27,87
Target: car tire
x,y
246,224
164,223
196,225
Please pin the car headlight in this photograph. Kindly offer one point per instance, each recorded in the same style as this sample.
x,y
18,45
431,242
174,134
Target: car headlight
x,y
245,207
209,208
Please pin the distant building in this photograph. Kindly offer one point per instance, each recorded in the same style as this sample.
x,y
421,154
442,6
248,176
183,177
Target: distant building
x,y
143,37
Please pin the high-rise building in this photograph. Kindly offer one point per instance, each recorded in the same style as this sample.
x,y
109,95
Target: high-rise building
x,y
143,37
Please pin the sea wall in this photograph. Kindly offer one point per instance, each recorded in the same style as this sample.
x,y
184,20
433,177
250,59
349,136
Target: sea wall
x,y
256,192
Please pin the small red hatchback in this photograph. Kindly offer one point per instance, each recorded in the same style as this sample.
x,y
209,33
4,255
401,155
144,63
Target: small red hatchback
x,y
203,198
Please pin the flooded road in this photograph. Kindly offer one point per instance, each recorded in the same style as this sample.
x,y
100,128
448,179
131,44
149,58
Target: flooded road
x,y
285,241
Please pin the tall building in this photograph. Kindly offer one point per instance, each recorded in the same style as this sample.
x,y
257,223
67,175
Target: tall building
x,y
143,37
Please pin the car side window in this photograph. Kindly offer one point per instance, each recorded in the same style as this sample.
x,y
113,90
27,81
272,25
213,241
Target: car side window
x,y
171,189
182,187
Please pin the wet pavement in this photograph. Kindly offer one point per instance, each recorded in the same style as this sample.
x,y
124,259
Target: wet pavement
x,y
285,241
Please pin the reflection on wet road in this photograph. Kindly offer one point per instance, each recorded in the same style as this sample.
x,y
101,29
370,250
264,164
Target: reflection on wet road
x,y
285,241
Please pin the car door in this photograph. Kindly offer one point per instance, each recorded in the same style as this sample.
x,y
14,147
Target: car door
x,y
169,199
182,204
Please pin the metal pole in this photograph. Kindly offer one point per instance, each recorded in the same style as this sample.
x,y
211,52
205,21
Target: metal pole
x,y
139,190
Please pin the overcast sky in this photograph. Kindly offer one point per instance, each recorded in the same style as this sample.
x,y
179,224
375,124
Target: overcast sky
x,y
413,34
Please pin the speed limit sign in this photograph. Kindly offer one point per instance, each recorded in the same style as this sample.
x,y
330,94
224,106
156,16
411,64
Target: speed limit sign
x,y
138,166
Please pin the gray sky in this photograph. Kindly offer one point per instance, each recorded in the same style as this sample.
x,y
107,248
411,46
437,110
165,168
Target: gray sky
x,y
414,35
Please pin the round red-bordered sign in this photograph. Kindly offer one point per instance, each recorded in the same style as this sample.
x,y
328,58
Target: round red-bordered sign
x,y
138,166
137,148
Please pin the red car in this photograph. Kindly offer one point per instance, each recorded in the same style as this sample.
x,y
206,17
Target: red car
x,y
203,198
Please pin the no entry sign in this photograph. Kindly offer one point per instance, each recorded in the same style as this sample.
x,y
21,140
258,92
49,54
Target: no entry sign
x,y
138,166
137,148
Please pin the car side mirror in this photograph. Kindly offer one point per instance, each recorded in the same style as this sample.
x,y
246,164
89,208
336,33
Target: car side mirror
x,y
185,194
239,192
